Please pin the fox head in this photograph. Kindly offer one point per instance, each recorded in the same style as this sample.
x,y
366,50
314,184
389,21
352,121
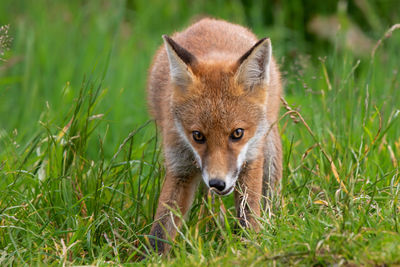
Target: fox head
x,y
219,109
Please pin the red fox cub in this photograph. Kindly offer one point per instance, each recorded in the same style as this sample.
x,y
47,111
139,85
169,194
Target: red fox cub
x,y
214,91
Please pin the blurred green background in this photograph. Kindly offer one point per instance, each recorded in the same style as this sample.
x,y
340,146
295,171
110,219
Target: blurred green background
x,y
98,180
56,44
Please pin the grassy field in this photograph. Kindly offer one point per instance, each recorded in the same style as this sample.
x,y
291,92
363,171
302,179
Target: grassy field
x,y
80,161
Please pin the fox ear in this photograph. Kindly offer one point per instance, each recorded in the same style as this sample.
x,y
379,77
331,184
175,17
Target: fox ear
x,y
254,65
180,61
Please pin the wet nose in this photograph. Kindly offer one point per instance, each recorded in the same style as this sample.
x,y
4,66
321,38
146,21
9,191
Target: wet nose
x,y
217,184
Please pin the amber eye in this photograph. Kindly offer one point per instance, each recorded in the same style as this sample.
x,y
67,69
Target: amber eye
x,y
237,134
198,137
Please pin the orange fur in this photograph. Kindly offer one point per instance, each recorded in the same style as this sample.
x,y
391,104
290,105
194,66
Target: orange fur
x,y
214,78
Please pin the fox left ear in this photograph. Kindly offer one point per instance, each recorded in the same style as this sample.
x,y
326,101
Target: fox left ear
x,y
254,65
180,61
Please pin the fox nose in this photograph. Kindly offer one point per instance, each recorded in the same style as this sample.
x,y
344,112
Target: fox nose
x,y
217,183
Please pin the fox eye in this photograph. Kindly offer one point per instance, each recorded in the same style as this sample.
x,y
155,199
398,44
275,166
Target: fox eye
x,y
198,137
237,134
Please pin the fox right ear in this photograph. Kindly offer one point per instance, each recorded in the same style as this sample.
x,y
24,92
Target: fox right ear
x,y
254,65
180,61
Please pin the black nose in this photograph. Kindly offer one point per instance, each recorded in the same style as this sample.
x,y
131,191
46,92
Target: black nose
x,y
217,183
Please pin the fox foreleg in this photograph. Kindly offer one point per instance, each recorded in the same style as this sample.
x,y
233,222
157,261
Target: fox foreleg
x,y
177,193
248,194
272,168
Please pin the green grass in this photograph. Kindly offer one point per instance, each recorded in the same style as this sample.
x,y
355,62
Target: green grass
x,y
81,166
